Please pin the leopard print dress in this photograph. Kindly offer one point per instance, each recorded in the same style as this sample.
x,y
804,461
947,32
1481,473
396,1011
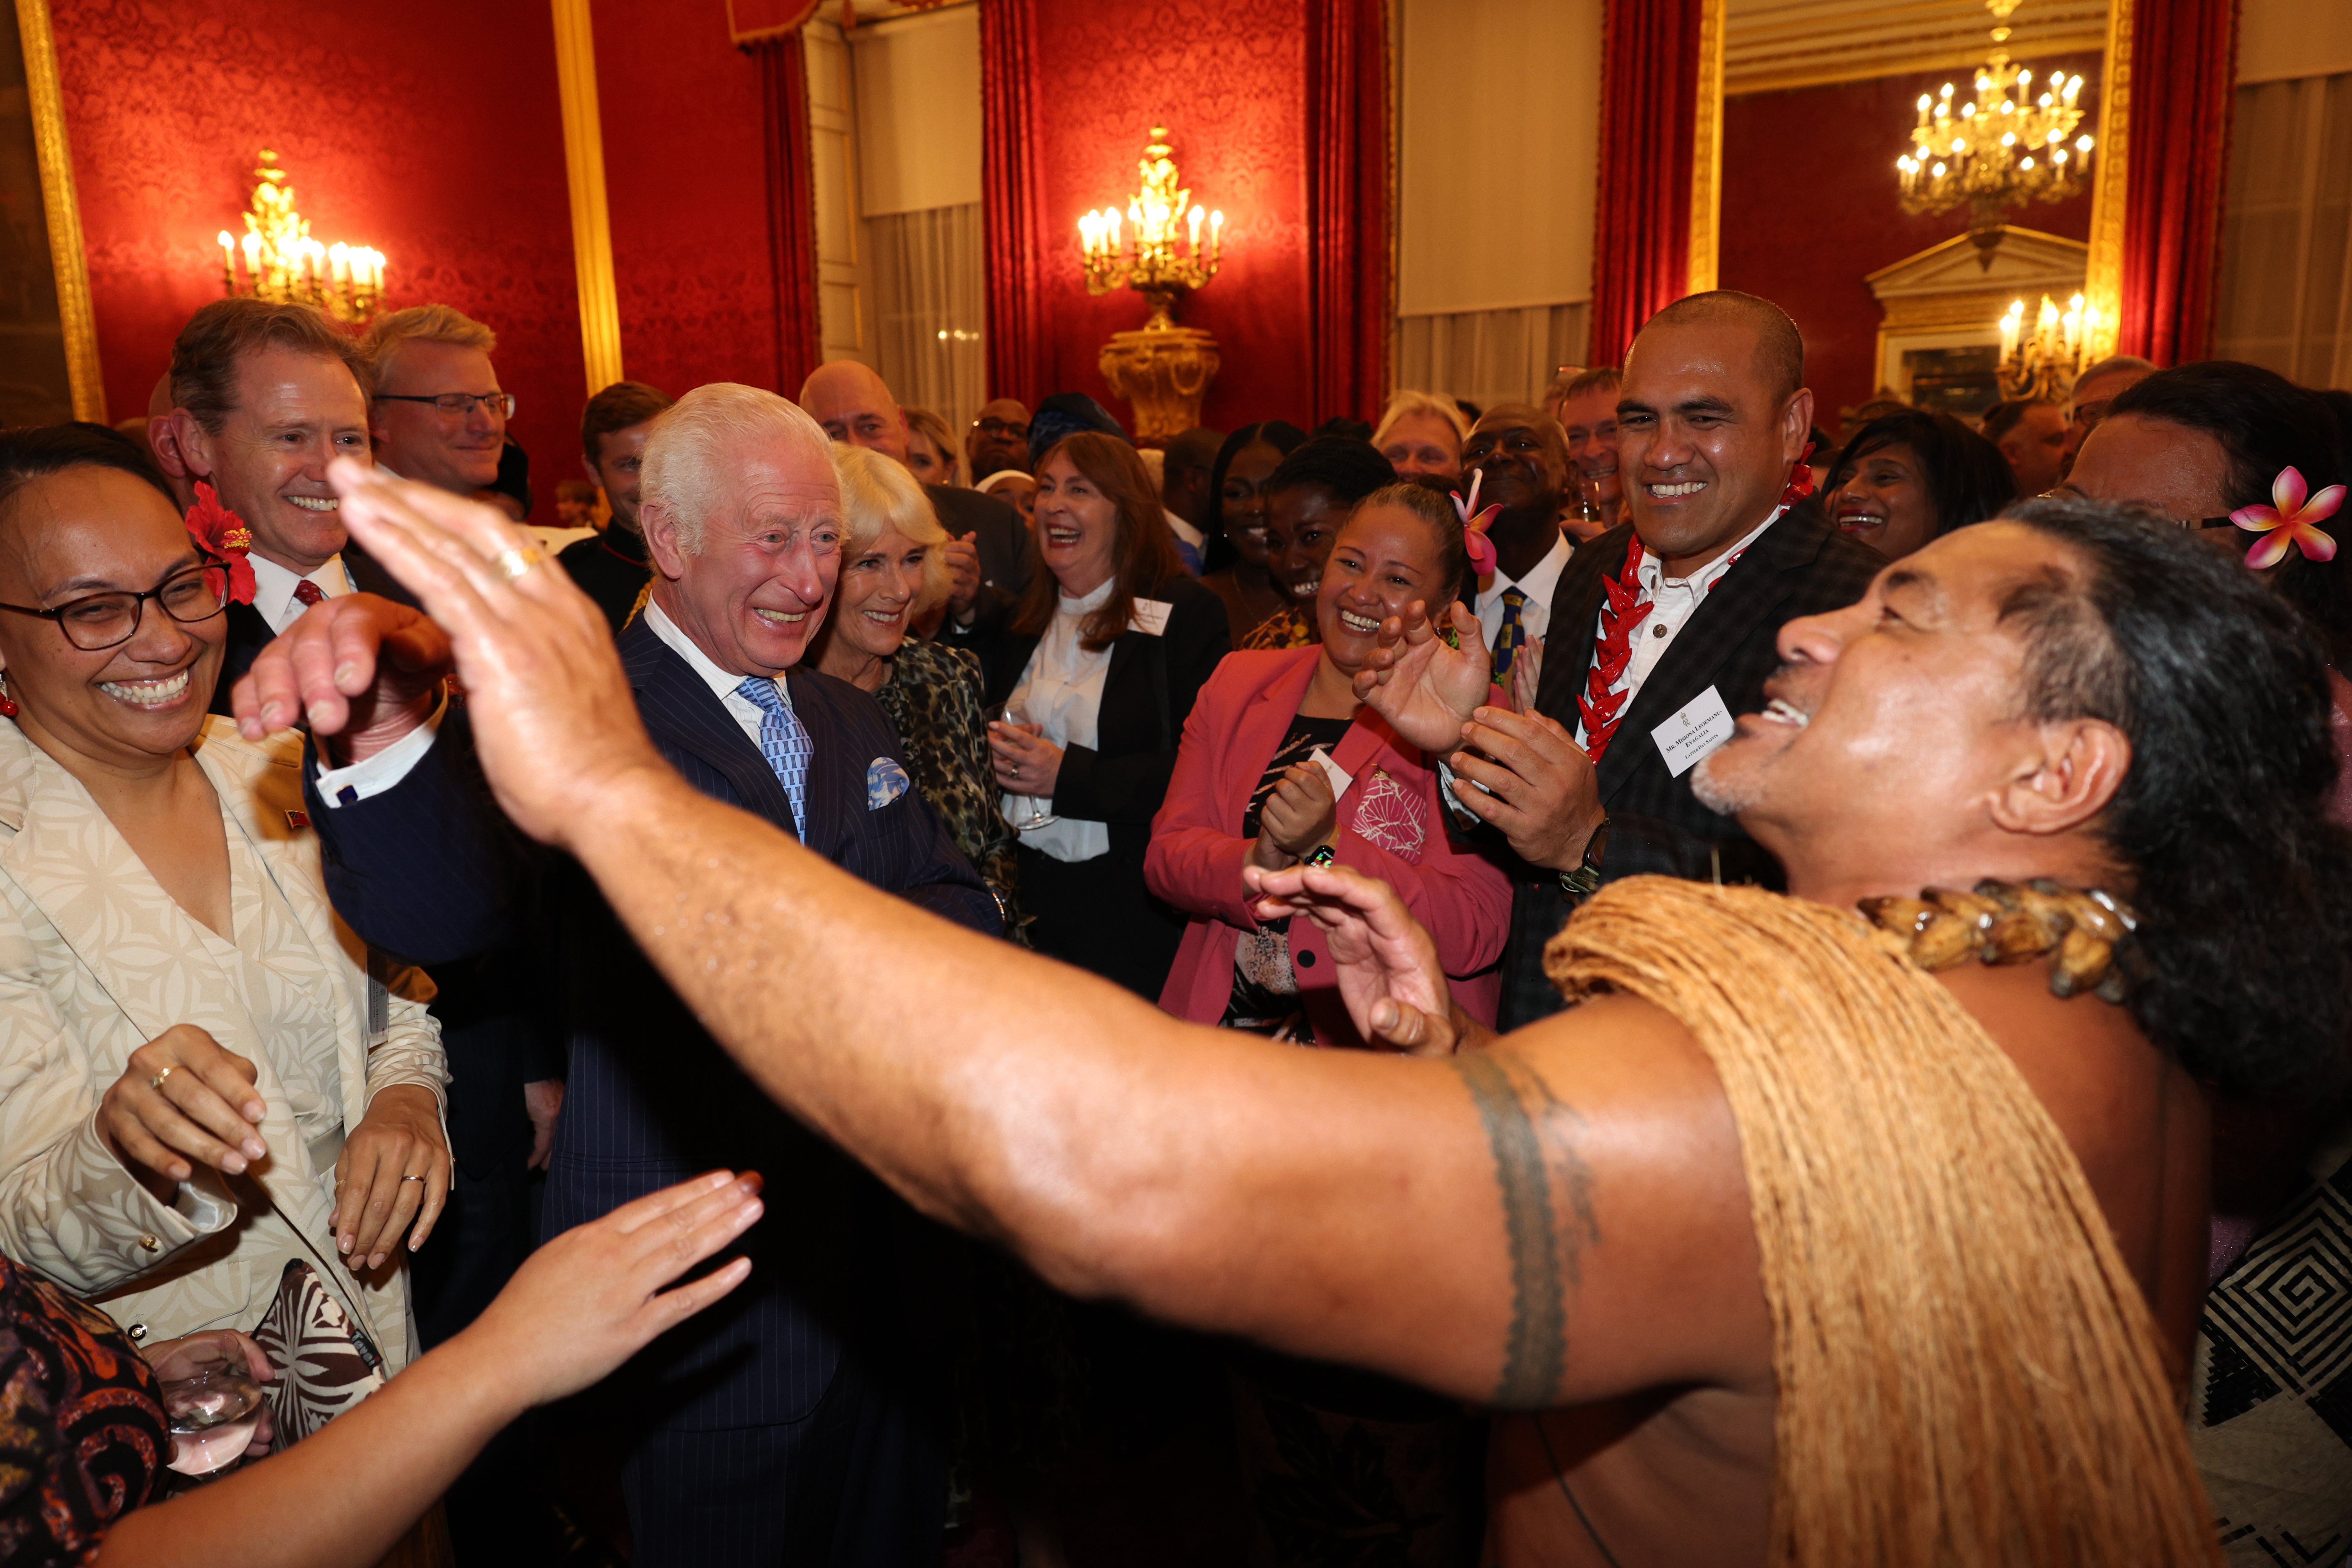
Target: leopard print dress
x,y
933,696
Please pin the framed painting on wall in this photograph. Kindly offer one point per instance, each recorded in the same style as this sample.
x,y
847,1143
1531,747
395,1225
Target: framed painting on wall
x,y
49,343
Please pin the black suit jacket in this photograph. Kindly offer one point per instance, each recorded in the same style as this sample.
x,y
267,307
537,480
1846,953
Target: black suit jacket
x,y
1801,566
248,634
1000,536
651,1098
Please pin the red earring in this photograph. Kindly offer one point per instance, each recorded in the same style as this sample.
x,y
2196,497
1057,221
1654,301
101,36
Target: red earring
x,y
7,703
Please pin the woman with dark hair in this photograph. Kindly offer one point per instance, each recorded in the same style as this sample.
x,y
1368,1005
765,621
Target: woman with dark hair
x,y
1910,477
1308,499
1233,567
1094,671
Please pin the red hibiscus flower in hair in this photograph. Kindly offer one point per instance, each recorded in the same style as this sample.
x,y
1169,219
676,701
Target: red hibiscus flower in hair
x,y
222,536
2293,521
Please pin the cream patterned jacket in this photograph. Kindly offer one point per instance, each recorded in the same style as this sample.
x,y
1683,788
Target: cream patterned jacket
x,y
95,960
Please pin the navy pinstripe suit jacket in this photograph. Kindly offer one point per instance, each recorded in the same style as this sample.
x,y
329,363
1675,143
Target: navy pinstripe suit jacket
x,y
652,1100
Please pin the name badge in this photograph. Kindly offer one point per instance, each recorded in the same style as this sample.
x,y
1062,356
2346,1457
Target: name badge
x,y
1341,778
1150,617
1704,724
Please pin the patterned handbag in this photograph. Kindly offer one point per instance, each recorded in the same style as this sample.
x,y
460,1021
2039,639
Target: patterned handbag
x,y
324,1365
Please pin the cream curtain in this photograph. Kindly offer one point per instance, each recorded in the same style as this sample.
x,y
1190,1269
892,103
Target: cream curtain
x,y
926,271
2286,231
1490,356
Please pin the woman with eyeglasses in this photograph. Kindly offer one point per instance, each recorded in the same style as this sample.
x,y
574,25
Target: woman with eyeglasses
x,y
204,1076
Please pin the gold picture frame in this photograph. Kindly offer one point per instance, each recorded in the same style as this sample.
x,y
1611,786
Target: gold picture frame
x,y
61,209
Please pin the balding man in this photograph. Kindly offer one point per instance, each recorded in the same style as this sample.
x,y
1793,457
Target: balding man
x,y
2098,385
999,437
777,1430
1660,629
988,552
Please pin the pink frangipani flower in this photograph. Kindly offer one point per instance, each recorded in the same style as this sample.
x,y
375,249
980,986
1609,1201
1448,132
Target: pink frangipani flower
x,y
1474,527
2293,520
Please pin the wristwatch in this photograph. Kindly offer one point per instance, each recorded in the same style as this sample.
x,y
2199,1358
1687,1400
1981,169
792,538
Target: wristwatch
x,y
1585,880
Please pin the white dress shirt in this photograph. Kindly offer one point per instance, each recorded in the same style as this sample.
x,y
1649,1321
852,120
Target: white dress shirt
x,y
1672,601
741,709
1061,690
1540,584
273,588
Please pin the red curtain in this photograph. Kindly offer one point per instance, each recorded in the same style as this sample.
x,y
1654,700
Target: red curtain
x,y
1649,118
792,206
1009,201
1347,205
2184,63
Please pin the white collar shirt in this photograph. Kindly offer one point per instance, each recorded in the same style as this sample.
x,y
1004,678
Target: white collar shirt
x,y
1672,601
1061,691
1541,584
274,585
746,713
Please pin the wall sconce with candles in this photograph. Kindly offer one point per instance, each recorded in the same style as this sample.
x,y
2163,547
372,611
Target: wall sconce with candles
x,y
283,264
2044,363
1153,246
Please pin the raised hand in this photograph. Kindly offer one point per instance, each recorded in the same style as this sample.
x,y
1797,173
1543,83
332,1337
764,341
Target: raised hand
x,y
1299,815
183,1097
1541,791
360,668
553,716
963,574
1389,978
1425,690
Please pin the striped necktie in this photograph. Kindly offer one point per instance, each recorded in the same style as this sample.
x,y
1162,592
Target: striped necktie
x,y
784,743
1509,635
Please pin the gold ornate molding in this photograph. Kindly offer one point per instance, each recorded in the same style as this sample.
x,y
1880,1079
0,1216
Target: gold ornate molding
x,y
583,165
1165,373
2103,278
62,210
1706,151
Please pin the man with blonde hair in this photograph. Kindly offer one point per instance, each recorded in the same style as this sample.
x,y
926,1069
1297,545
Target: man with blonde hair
x,y
437,414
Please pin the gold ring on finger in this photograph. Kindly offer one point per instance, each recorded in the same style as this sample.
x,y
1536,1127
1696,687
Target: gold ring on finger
x,y
513,564
156,1083
412,1178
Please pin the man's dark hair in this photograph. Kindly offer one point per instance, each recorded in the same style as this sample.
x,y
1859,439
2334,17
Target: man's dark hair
x,y
1350,468
205,354
2242,885
1967,479
2263,423
1779,347
1195,449
616,408
35,451
2002,418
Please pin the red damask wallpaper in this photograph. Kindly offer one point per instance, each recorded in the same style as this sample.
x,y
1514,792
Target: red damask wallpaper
x,y
432,131
1810,209
685,179
1228,79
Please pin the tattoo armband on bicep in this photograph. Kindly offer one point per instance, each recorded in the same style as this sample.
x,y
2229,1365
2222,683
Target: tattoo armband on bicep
x,y
1547,1194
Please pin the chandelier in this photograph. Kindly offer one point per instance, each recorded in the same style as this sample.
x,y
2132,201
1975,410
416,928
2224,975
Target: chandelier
x,y
2007,146
284,265
1138,249
2044,363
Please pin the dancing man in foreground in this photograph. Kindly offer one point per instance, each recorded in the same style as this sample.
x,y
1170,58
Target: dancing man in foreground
x,y
1781,1247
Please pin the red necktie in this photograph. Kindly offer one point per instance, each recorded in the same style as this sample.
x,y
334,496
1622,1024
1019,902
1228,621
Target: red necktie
x,y
307,592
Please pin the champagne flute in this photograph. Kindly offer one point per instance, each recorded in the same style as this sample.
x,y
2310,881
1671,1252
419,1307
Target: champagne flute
x,y
1023,811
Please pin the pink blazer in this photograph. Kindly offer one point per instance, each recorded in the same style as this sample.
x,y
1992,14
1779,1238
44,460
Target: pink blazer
x,y
1390,827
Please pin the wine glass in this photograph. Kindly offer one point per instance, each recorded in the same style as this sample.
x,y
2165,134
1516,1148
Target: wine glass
x,y
212,1416
1023,811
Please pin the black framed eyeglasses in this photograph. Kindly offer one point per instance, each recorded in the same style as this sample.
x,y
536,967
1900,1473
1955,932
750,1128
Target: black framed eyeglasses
x,y
97,621
502,404
1002,429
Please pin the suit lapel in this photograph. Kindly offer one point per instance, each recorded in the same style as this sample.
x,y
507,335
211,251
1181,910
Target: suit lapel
x,y
836,783
1752,589
370,578
1567,634
681,712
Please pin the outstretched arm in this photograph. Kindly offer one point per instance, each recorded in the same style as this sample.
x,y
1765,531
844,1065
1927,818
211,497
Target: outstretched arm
x,y
1435,1220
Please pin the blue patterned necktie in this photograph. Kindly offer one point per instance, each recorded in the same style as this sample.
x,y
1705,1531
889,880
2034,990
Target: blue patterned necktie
x,y
784,743
1509,635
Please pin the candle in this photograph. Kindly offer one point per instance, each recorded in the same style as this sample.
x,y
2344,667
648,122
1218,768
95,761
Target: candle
x,y
1216,234
339,262
1193,218
2010,324
229,261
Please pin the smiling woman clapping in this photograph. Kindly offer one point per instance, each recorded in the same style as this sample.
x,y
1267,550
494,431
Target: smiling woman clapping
x,y
1101,661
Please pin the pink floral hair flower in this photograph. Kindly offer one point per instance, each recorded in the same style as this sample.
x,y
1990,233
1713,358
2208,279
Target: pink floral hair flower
x,y
1474,525
2293,520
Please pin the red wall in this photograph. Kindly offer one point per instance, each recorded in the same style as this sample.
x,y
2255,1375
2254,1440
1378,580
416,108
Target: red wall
x,y
1810,207
685,178
1228,78
431,131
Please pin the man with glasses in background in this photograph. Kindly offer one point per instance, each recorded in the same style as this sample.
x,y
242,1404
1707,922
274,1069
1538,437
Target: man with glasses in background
x,y
998,439
437,416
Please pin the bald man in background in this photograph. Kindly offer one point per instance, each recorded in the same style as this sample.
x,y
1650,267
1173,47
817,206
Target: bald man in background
x,y
988,550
